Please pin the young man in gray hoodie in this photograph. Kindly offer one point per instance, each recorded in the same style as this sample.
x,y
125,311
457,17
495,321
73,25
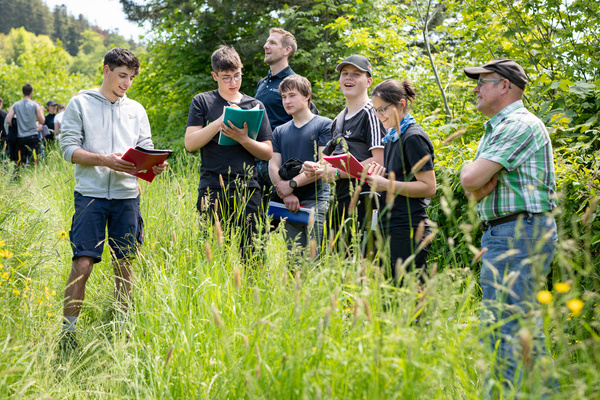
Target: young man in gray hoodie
x,y
98,127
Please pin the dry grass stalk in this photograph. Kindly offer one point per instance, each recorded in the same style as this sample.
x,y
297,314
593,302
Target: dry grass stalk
x,y
390,194
313,249
221,182
169,355
478,255
417,167
526,347
208,251
173,237
179,189
237,278
420,231
587,215
216,315
367,308
218,230
426,241
354,200
456,134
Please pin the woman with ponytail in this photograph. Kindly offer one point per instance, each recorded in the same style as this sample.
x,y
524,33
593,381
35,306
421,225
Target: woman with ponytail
x,y
407,177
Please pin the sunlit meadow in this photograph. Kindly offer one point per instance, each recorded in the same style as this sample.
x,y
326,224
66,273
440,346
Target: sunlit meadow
x,y
206,326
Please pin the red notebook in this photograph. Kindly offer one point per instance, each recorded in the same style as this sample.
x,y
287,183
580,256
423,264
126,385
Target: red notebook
x,y
144,160
347,163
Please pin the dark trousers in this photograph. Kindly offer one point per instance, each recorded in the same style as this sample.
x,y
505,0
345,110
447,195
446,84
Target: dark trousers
x,y
236,208
26,149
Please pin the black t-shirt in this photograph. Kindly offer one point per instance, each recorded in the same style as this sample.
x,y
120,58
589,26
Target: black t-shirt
x,y
231,162
415,144
3,115
49,122
358,135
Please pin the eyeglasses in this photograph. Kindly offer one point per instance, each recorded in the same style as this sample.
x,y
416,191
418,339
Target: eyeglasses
x,y
228,78
482,81
380,111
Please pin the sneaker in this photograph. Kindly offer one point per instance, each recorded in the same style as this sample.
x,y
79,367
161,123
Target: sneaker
x,y
68,345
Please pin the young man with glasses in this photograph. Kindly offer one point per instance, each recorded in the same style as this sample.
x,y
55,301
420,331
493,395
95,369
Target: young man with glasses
x,y
228,173
512,180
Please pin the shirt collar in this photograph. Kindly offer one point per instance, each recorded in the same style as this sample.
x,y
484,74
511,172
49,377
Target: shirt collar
x,y
287,71
506,111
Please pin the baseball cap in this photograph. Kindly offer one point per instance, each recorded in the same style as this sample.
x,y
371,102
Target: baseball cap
x,y
51,103
509,69
359,62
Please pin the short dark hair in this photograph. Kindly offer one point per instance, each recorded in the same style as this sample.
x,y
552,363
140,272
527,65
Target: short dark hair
x,y
27,89
225,58
119,57
287,40
392,91
300,83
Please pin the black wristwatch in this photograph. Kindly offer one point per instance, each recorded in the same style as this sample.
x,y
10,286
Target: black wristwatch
x,y
293,184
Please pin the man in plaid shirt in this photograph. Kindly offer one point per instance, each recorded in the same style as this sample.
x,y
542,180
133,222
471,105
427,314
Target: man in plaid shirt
x,y
512,180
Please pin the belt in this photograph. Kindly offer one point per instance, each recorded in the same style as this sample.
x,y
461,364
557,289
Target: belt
x,y
485,225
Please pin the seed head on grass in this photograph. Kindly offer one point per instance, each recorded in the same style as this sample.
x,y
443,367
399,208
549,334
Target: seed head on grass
x,y
456,134
179,189
216,316
420,231
237,279
313,249
526,346
218,229
354,200
417,167
208,251
169,355
587,215
390,194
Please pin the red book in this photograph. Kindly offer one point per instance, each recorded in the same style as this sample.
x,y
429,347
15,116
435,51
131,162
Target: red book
x,y
347,163
144,160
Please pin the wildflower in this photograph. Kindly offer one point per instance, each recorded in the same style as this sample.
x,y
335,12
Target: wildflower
x,y
575,305
544,296
562,287
2,244
6,253
62,234
16,291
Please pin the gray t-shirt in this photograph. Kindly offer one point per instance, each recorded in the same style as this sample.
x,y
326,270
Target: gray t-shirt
x,y
26,112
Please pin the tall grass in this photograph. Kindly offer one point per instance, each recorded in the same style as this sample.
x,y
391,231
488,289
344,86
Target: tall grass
x,y
207,326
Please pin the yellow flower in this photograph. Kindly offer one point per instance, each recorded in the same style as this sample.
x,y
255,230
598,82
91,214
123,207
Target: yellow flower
x,y
544,296
6,253
63,234
16,291
562,287
2,244
575,305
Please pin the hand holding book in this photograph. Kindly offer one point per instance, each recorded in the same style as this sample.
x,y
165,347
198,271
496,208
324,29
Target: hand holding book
x,y
148,162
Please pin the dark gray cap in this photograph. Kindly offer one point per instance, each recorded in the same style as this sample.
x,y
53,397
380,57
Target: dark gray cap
x,y
359,62
51,103
509,69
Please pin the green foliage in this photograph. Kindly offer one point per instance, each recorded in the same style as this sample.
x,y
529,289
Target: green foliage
x,y
43,65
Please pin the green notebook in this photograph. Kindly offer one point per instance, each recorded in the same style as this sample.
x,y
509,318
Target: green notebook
x,y
252,117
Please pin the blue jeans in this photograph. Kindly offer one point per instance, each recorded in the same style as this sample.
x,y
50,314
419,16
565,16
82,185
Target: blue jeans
x,y
301,234
513,270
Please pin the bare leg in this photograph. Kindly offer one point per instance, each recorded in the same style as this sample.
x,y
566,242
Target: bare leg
x,y
81,269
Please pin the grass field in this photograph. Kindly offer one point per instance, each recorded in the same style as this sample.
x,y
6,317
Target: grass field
x,y
206,326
